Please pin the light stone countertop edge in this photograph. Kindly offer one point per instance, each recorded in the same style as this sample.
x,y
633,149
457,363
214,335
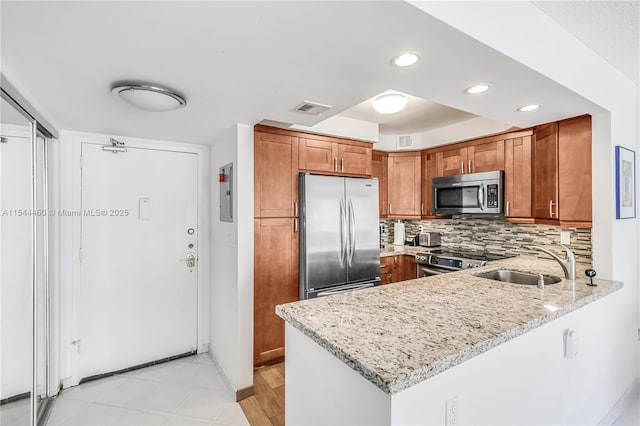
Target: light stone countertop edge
x,y
404,381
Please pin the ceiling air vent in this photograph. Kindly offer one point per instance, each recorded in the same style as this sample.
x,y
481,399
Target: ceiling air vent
x,y
404,141
312,108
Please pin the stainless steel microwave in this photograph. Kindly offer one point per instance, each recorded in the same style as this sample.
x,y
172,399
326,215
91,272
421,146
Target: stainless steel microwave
x,y
471,193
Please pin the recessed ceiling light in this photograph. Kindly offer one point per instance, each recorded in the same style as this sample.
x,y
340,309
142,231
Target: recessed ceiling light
x,y
149,98
406,59
529,108
478,88
390,103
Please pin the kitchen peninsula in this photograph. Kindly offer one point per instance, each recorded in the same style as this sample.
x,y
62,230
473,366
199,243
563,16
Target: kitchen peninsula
x,y
425,351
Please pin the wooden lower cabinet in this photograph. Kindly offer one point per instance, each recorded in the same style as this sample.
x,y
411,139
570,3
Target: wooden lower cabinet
x,y
386,267
397,268
275,282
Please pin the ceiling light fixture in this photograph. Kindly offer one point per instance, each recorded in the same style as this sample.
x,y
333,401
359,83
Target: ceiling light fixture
x,y
390,103
528,108
406,59
149,98
478,88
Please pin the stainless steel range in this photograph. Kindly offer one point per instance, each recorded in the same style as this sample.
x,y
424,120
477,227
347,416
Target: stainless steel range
x,y
441,261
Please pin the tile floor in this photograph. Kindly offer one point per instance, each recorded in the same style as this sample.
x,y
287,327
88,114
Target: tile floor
x,y
16,412
188,391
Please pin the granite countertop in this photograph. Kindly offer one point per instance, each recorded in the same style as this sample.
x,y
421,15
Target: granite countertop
x,y
391,250
401,334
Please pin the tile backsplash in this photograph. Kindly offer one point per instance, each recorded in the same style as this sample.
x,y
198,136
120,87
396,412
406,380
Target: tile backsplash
x,y
492,234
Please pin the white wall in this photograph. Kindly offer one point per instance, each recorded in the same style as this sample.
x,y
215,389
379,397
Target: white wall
x,y
558,55
231,320
468,129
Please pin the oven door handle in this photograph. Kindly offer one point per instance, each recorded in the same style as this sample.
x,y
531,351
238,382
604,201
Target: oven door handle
x,y
481,196
434,271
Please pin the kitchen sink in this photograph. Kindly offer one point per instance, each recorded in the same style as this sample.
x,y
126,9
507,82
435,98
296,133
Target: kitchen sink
x,y
516,277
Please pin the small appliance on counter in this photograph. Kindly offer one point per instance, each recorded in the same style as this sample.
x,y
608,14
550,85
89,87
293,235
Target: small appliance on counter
x,y
398,233
411,241
428,239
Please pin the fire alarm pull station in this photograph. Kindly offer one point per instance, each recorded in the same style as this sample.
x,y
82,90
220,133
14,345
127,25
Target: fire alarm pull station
x,y
225,177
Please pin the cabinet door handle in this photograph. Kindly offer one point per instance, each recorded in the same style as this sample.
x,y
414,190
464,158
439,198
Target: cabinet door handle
x,y
295,209
469,166
335,164
342,161
551,203
462,167
507,209
295,225
422,208
389,208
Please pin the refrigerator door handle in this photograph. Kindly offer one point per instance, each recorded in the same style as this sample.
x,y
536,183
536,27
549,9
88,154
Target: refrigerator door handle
x,y
352,232
343,232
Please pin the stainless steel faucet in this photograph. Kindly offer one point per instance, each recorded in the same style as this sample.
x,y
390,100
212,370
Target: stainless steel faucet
x,y
568,263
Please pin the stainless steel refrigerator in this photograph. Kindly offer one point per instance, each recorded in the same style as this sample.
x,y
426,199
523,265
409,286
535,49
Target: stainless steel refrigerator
x,y
339,234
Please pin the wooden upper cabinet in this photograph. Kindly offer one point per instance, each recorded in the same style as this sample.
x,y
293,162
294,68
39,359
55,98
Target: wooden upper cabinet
x,y
404,185
333,157
452,162
353,159
545,171
429,171
485,157
574,170
318,155
476,158
275,282
275,175
517,178
379,166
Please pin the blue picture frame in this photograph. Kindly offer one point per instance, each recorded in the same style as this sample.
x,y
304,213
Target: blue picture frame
x,y
625,183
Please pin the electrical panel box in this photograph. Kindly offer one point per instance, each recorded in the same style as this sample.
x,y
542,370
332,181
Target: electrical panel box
x,y
225,178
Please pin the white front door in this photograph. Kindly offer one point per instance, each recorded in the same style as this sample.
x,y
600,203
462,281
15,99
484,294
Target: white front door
x,y
139,299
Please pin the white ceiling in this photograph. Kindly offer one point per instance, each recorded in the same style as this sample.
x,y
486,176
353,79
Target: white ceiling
x,y
420,115
610,28
243,62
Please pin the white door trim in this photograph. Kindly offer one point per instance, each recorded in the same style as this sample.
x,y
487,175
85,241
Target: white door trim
x,y
202,153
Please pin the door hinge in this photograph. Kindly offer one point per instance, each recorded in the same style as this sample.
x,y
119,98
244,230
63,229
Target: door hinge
x,y
76,343
81,162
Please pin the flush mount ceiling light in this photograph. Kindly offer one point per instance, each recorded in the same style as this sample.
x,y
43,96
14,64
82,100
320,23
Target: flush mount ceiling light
x,y
478,88
528,108
390,103
149,98
406,59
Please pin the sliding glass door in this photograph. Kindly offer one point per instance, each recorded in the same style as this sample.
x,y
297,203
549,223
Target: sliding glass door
x,y
23,267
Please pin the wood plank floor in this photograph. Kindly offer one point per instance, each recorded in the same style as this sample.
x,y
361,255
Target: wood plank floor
x,y
266,406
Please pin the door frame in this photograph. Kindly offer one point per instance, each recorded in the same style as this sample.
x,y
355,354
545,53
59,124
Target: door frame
x,y
202,153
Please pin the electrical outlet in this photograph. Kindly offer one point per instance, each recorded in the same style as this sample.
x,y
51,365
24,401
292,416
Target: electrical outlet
x,y
565,237
420,228
451,412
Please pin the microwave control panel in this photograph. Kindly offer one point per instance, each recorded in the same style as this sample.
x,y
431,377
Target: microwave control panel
x,y
492,196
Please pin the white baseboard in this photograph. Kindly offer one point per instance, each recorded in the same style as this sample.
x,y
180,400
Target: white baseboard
x,y
622,403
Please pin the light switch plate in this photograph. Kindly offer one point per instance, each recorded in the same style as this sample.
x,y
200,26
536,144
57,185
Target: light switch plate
x,y
565,237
